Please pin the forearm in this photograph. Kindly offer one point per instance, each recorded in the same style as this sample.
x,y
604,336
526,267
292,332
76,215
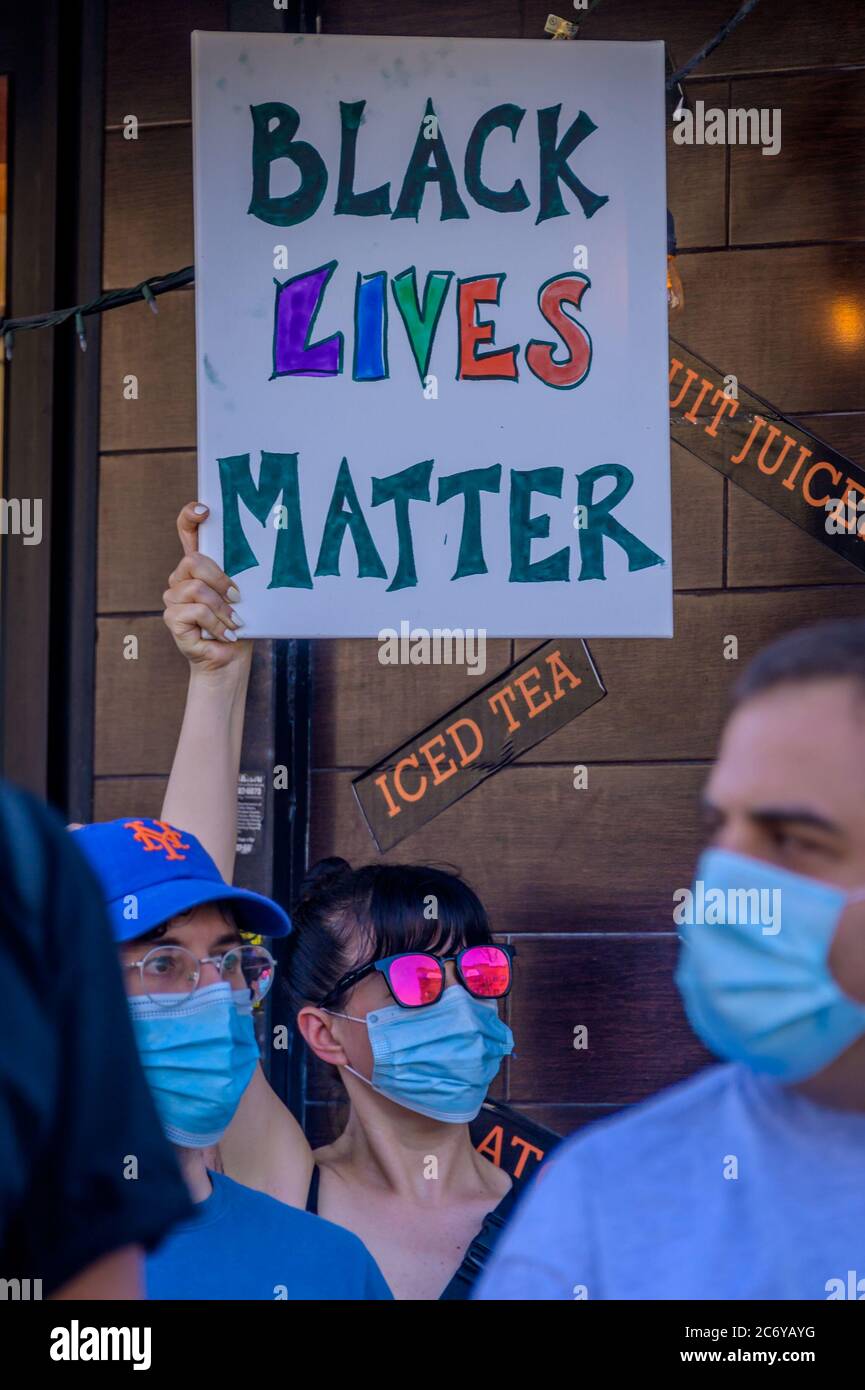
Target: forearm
x,y
264,1147
201,796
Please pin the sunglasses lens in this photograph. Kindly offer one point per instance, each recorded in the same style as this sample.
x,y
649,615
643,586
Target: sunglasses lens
x,y
486,971
415,980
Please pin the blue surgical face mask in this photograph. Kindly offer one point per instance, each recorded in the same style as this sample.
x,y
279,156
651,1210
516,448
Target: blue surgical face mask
x,y
753,969
438,1060
198,1054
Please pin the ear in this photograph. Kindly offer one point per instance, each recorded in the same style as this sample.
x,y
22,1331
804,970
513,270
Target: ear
x,y
316,1027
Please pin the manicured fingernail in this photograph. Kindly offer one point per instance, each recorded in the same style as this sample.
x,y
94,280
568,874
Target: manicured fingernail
x,y
233,595
236,619
229,635
200,509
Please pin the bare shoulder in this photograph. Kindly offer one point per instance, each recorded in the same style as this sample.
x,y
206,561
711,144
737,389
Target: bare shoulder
x,y
497,1182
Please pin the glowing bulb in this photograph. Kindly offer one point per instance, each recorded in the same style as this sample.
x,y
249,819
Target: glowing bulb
x,y
848,322
675,292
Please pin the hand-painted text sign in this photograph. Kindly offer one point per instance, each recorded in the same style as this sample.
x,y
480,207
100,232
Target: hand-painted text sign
x,y
425,270
522,706
770,456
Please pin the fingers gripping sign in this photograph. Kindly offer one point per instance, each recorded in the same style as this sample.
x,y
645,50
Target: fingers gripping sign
x,y
199,601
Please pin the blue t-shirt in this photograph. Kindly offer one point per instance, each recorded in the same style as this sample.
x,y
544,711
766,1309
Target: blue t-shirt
x,y
726,1186
242,1244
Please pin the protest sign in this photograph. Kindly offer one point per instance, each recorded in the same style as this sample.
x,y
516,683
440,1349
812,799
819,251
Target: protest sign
x,y
427,273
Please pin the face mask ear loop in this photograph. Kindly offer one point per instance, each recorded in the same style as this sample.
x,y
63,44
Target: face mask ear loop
x,y
366,1081
351,1019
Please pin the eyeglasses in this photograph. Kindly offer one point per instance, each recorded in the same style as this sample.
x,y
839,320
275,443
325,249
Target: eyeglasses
x,y
173,970
417,978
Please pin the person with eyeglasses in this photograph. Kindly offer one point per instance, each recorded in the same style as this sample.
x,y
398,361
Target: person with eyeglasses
x,y
193,984
397,984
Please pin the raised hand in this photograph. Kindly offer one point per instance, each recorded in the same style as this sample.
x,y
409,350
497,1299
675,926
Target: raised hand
x,y
199,600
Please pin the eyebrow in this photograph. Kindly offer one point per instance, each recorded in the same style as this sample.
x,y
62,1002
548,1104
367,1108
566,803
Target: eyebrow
x,y
779,815
231,937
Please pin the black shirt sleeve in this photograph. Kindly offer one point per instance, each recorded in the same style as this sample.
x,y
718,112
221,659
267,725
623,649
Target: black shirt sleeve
x,y
84,1166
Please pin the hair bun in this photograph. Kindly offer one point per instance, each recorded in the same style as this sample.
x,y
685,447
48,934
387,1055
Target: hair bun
x,y
321,876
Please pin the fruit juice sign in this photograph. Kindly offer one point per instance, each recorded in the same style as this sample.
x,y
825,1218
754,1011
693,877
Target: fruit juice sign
x,y
432,333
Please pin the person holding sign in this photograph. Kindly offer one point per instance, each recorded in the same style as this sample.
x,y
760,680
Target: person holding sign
x,y
745,1181
396,980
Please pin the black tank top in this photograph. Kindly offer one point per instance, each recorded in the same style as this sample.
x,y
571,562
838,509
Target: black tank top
x,y
479,1251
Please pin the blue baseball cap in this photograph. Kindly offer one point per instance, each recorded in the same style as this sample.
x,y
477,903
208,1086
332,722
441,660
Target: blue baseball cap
x,y
150,872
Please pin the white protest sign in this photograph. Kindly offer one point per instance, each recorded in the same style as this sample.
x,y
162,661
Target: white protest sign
x,y
432,333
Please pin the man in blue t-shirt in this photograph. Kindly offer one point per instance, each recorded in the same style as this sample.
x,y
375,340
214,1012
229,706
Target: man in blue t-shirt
x,y
192,982
746,1181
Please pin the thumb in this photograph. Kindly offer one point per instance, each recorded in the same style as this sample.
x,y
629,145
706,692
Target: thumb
x,y
188,523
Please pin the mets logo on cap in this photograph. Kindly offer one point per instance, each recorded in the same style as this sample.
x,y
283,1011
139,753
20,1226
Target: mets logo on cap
x,y
157,836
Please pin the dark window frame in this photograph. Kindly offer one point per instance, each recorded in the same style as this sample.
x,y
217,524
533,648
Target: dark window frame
x,y
47,592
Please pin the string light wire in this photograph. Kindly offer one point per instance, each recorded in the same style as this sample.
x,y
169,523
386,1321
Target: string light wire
x,y
722,34
154,285
146,290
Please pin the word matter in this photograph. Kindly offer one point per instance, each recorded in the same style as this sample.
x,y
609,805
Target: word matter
x,y
276,497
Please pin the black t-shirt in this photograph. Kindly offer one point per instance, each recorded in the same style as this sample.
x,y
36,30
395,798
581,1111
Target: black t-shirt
x,y
84,1166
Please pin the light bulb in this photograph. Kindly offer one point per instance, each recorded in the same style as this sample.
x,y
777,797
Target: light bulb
x,y
675,292
848,322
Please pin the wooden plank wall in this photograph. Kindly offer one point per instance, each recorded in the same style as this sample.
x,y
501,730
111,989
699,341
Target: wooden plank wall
x,y
771,261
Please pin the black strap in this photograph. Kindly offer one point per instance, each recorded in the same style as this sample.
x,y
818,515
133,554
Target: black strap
x,y
312,1194
481,1248
478,1252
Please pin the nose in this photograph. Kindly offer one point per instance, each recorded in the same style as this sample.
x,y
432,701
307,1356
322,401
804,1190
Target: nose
x,y
737,836
209,975
451,977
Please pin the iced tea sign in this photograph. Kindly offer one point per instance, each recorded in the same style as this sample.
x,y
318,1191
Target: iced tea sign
x,y
431,333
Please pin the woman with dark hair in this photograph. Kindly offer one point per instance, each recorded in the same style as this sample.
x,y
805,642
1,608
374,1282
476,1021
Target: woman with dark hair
x,y
396,981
